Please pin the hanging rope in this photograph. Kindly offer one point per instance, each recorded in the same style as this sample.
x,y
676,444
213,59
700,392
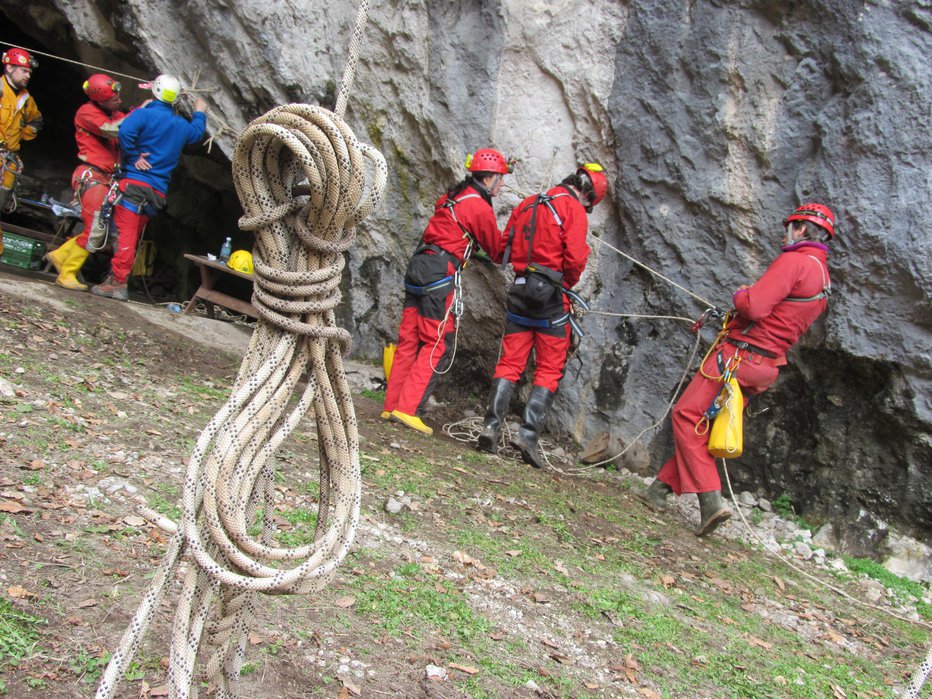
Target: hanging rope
x,y
304,182
654,272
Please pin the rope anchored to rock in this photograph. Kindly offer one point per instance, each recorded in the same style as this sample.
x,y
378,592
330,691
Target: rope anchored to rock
x,y
305,182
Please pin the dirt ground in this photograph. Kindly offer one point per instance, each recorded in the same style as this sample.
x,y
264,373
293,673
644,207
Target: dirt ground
x,y
470,575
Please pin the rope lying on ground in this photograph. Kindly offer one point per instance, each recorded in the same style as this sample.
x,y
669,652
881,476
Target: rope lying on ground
x,y
304,182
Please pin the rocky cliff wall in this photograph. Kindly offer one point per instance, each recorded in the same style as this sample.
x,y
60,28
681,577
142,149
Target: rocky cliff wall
x,y
714,119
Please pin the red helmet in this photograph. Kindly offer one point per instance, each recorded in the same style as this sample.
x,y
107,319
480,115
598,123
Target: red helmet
x,y
818,214
100,87
596,174
19,58
488,160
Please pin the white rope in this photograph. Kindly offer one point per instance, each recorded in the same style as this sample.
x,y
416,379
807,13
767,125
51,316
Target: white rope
x,y
779,554
304,182
707,303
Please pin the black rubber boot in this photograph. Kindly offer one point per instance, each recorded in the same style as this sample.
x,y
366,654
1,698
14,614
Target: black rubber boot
x,y
712,512
655,495
498,409
536,409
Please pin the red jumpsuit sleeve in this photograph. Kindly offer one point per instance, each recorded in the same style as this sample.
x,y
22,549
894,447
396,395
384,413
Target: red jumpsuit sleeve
x,y
487,234
576,250
98,123
775,285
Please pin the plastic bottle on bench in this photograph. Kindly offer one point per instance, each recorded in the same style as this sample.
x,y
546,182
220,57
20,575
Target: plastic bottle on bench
x,y
225,250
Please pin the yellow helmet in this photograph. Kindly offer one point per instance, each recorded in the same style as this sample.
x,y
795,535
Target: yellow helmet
x,y
241,261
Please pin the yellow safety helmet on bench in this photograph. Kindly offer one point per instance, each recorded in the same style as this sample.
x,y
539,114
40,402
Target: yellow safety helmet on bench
x,y
241,261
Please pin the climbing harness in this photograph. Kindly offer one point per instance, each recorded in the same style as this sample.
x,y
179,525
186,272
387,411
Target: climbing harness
x,y
544,199
100,230
299,259
826,285
12,169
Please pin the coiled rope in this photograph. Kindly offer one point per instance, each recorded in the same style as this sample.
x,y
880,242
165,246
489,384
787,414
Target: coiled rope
x,y
304,182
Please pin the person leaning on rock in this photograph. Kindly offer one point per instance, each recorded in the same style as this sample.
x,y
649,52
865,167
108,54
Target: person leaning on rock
x,y
151,141
20,119
546,246
770,317
463,219
95,131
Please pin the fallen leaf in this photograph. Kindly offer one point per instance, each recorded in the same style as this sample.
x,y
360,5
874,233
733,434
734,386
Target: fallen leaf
x,y
161,691
87,603
20,592
779,582
13,507
550,644
562,659
469,670
153,432
345,602
134,521
513,553
35,465
540,597
560,567
838,691
754,641
649,693
667,581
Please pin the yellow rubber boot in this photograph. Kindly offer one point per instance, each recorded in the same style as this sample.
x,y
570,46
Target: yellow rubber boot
x,y
412,421
67,275
386,415
59,256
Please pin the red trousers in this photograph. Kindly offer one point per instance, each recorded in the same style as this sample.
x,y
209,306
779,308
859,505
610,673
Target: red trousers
x,y
129,225
550,349
692,468
424,346
95,187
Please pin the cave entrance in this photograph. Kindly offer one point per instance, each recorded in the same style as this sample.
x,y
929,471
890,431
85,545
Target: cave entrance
x,y
202,205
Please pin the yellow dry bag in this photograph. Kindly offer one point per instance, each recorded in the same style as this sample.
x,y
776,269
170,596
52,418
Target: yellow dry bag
x,y
388,356
726,438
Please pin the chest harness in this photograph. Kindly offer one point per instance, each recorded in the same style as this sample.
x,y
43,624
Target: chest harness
x,y
452,280
823,294
552,277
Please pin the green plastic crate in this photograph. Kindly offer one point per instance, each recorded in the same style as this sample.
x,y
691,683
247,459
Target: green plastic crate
x,y
23,252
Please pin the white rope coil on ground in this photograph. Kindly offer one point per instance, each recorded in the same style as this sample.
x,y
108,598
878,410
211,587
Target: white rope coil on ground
x,y
304,182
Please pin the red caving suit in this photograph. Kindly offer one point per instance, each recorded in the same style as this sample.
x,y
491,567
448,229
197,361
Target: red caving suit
x,y
562,252
771,316
95,132
423,344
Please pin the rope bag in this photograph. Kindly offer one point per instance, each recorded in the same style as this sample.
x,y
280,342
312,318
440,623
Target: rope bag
x,y
304,182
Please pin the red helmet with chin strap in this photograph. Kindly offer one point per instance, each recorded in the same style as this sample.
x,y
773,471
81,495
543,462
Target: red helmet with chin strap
x,y
100,87
19,58
596,174
488,160
819,214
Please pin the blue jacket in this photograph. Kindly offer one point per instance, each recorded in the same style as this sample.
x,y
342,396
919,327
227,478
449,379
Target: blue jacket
x,y
161,133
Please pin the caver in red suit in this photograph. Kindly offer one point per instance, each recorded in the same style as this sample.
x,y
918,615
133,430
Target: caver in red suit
x,y
95,131
546,246
463,218
770,317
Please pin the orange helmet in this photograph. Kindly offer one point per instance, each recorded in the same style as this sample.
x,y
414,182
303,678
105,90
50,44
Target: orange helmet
x,y
488,160
19,58
819,214
596,174
100,87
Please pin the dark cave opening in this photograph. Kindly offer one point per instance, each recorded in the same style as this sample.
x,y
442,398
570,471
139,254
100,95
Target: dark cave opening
x,y
202,205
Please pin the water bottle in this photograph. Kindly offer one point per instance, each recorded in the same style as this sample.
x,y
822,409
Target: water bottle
x,y
226,250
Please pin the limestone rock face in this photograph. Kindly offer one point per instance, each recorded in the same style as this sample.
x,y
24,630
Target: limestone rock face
x,y
713,119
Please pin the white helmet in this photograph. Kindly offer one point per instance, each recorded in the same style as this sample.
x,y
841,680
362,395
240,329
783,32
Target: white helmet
x,y
166,88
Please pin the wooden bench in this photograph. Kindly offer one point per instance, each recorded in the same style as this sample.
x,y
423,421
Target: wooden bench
x,y
213,271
